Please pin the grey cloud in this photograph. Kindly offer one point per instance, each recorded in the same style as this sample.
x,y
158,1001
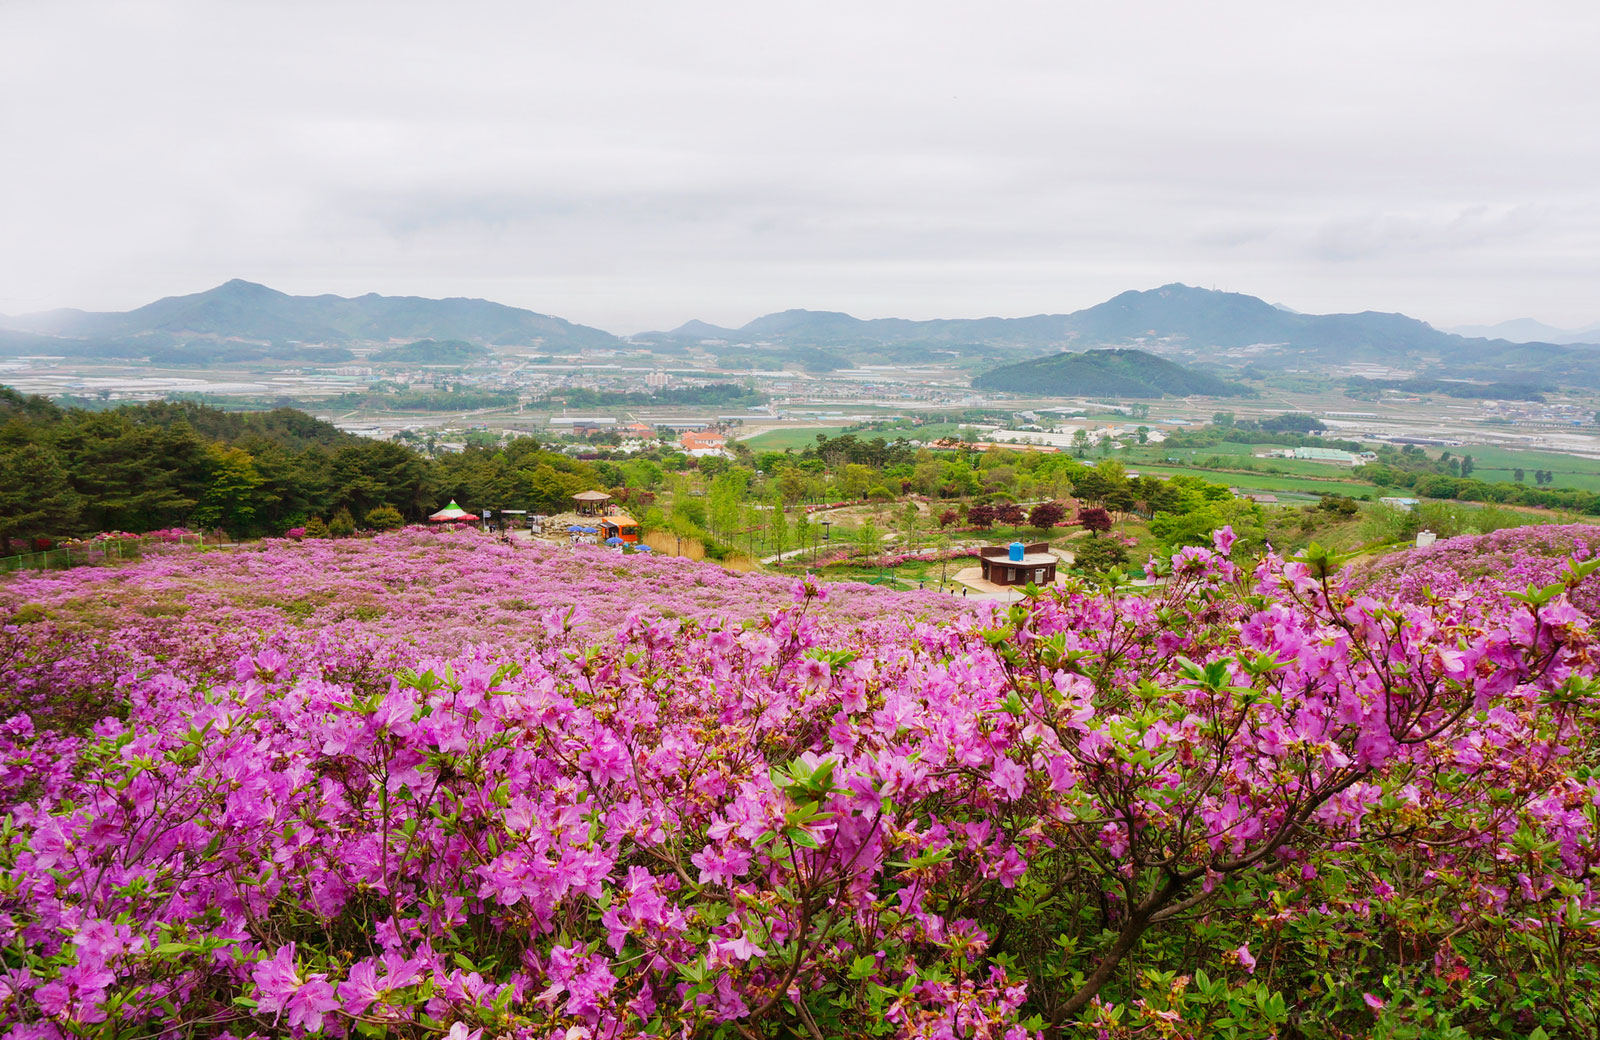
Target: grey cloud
x,y
1374,235
635,164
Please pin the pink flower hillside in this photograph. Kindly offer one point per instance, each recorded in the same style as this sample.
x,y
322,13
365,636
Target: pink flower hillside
x,y
432,786
1506,560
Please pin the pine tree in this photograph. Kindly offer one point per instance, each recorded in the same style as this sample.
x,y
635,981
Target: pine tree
x,y
35,496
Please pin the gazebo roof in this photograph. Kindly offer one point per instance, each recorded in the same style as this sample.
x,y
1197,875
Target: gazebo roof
x,y
592,496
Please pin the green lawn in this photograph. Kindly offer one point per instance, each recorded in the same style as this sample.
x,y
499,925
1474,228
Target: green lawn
x,y
783,440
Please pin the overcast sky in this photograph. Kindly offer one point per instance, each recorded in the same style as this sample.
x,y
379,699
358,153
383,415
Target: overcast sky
x,y
633,165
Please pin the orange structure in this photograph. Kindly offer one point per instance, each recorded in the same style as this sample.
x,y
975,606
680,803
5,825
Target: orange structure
x,y
619,526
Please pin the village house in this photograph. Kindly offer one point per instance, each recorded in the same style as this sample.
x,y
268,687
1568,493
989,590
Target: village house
x,y
701,443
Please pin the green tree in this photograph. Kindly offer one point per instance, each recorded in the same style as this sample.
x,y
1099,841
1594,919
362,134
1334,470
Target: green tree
x,y
233,492
910,527
1098,555
374,473
724,499
854,480
803,531
549,490
1194,527
868,538
35,495
133,477
793,484
778,525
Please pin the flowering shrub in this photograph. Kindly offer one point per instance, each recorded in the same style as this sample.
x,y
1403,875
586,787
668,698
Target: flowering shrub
x,y
1504,561
933,555
1253,803
836,556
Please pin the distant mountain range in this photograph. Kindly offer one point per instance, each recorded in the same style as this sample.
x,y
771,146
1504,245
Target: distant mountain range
x,y
1526,330
242,320
1198,318
1201,325
251,313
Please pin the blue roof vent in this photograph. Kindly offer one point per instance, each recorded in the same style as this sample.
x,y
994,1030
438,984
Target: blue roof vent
x,y
1016,552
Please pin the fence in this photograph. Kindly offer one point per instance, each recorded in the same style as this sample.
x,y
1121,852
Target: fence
x,y
81,554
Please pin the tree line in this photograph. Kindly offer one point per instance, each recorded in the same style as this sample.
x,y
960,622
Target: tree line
x,y
68,472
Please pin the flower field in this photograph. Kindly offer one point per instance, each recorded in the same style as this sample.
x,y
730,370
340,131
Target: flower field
x,y
431,785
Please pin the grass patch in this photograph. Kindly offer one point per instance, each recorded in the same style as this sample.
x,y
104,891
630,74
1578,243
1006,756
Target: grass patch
x,y
785,440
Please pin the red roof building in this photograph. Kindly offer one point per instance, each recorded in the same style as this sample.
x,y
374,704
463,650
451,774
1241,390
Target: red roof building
x,y
703,442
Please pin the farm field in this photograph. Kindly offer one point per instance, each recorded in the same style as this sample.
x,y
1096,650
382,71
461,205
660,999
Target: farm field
x,y
1496,464
1270,482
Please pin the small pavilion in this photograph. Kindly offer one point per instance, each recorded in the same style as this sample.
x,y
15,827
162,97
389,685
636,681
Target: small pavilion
x,y
592,503
1018,564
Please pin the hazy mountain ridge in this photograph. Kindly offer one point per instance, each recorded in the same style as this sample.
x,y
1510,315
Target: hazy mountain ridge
x,y
1529,330
242,320
1202,322
1202,317
240,310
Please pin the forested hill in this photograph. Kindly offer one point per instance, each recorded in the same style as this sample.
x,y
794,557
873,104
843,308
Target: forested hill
x,y
1123,373
73,471
434,352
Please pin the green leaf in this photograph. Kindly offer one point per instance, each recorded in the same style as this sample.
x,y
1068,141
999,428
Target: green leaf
x,y
801,837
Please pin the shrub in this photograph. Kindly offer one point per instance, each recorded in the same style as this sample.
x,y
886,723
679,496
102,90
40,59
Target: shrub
x,y
1094,519
1098,555
385,518
342,525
